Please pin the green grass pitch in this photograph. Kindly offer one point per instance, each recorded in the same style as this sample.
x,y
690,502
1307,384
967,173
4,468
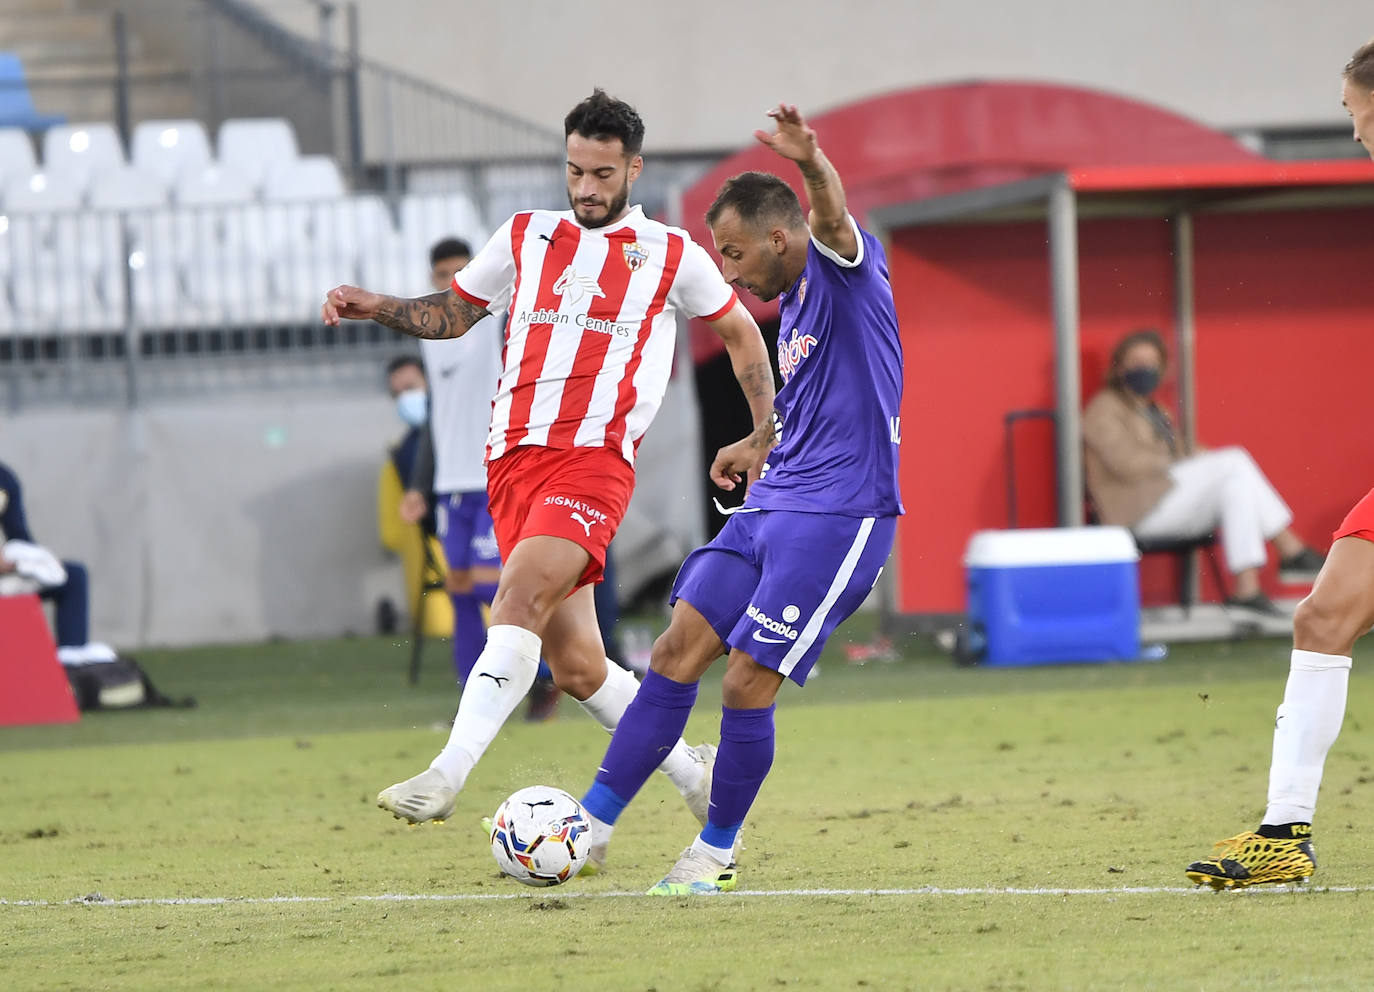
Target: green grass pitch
x,y
924,827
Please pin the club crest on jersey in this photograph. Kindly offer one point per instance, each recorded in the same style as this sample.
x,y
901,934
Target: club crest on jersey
x,y
572,286
635,255
801,292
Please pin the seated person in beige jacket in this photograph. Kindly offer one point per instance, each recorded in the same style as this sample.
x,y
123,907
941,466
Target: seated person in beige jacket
x,y
1140,476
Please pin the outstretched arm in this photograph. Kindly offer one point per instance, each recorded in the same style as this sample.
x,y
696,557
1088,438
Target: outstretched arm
x,y
749,359
438,315
829,219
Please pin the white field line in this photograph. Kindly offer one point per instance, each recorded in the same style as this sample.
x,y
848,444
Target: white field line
x,y
1130,890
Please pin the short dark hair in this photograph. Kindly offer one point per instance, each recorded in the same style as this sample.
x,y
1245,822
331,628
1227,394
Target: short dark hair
x,y
1146,335
1360,68
401,361
449,248
602,117
760,199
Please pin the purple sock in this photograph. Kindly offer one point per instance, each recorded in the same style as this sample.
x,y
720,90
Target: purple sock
x,y
742,763
469,633
650,727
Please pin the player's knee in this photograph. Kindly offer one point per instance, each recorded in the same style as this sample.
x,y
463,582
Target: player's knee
x,y
1324,627
748,685
579,673
523,605
669,656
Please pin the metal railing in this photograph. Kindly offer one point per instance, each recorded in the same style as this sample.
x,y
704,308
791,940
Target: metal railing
x,y
114,307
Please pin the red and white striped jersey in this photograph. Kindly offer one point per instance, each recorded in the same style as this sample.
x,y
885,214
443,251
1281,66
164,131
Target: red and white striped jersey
x,y
591,327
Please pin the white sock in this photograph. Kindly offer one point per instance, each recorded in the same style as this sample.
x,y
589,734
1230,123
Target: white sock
x,y
601,831
722,854
608,704
501,676
1308,721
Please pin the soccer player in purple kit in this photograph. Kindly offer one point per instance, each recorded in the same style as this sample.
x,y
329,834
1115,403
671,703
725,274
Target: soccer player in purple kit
x,y
806,547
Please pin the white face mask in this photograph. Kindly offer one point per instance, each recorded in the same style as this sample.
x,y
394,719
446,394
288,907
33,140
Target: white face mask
x,y
413,406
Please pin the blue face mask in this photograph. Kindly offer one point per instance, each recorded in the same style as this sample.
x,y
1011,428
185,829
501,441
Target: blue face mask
x,y
1142,382
413,406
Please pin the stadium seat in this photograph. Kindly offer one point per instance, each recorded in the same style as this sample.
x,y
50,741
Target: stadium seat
x,y
253,145
40,226
16,103
82,151
126,187
40,192
16,155
170,148
383,258
425,218
310,177
211,184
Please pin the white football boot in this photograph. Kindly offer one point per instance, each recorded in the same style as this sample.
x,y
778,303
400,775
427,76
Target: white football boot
x,y
425,797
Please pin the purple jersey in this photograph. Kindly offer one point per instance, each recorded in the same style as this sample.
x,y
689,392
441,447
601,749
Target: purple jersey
x,y
840,404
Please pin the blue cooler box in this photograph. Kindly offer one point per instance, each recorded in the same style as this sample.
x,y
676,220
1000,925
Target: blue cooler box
x,y
1058,594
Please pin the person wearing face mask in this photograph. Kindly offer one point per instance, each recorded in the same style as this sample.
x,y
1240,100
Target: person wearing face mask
x,y
398,531
1141,475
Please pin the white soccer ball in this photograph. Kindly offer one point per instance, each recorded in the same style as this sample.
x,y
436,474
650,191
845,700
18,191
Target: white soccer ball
x,y
541,836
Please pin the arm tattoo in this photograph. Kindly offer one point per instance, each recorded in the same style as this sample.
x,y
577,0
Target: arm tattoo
x,y
815,177
756,381
439,315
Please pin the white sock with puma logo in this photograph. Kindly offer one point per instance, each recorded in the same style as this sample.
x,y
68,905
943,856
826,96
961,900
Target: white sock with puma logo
x,y
500,678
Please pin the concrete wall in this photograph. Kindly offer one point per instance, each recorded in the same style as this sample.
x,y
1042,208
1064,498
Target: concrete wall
x,y
245,517
702,73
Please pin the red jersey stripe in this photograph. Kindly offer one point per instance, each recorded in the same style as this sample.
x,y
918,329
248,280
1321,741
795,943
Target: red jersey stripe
x,y
475,300
519,223
734,298
557,257
591,350
625,400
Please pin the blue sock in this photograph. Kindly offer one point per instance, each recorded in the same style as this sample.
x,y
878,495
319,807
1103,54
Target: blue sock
x,y
742,763
469,633
650,727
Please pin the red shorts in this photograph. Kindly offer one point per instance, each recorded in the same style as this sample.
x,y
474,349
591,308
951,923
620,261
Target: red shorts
x,y
1359,522
575,493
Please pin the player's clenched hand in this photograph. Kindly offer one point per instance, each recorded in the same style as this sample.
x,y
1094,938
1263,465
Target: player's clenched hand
x,y
413,506
349,302
793,138
735,462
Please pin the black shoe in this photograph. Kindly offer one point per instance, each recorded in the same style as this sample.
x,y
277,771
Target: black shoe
x,y
1256,607
1301,567
543,701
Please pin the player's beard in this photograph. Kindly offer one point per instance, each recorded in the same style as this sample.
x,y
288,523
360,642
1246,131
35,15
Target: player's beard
x,y
613,210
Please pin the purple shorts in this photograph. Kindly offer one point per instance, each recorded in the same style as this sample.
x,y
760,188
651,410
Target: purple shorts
x,y
775,584
466,530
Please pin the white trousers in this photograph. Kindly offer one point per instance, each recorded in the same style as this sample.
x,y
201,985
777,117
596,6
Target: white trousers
x,y
1226,489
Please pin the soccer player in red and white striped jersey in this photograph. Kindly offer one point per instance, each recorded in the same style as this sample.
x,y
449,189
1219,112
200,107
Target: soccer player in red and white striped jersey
x,y
591,296
1326,625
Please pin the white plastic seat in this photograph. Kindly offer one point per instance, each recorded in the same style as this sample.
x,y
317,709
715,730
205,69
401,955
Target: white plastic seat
x,y
127,187
16,154
253,145
40,225
170,148
426,218
82,151
310,177
212,184
40,192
